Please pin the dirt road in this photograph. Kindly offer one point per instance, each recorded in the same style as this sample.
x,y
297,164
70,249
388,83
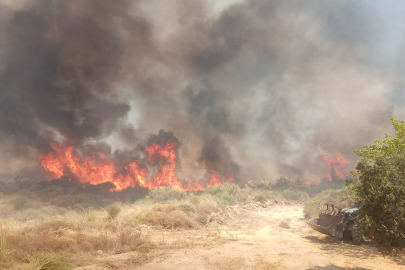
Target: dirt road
x,y
275,237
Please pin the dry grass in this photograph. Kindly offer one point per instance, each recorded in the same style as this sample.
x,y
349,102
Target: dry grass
x,y
54,227
30,237
168,216
207,206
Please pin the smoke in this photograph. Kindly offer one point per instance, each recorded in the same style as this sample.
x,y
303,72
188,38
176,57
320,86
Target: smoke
x,y
254,88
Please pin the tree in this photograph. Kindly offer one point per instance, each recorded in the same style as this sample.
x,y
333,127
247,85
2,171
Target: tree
x,y
381,191
387,147
282,183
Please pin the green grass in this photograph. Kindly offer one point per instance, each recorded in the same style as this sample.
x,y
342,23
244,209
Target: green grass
x,y
2,247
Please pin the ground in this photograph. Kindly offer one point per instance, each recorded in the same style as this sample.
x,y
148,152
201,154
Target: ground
x,y
256,236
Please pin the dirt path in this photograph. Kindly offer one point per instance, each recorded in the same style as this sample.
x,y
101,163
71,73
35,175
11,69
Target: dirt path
x,y
256,240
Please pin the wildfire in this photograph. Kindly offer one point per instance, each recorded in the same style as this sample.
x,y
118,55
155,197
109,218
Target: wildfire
x,y
336,167
97,169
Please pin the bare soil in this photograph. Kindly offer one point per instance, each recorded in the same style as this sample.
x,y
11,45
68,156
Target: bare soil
x,y
255,236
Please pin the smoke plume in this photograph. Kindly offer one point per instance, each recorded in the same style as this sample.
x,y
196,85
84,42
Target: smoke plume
x,y
253,88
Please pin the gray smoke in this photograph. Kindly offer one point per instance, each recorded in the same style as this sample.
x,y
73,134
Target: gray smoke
x,y
257,88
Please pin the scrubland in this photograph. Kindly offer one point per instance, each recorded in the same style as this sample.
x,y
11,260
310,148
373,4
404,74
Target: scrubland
x,y
54,228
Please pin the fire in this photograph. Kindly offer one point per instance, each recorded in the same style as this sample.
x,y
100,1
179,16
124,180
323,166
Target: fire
x,y
336,167
97,169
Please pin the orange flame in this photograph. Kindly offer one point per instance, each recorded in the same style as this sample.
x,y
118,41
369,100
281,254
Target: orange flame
x,y
336,166
63,161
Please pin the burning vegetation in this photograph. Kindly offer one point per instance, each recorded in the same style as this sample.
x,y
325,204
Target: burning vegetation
x,y
161,155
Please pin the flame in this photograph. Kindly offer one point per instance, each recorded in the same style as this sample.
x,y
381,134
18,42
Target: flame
x,y
97,169
336,167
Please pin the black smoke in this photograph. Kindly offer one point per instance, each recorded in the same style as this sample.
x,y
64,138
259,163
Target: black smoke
x,y
256,88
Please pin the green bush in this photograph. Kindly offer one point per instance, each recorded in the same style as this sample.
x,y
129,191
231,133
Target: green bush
x,y
381,191
194,199
285,225
91,215
113,210
296,195
260,197
263,196
164,194
282,183
227,199
315,189
227,193
19,202
341,198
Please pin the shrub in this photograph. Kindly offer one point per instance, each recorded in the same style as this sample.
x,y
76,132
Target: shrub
x,y
281,184
54,227
207,205
186,208
228,199
296,195
381,190
285,225
6,210
113,210
27,194
260,197
164,194
135,240
31,244
171,220
30,214
91,215
167,208
49,261
19,202
194,199
203,219
264,196
2,247
223,193
63,200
